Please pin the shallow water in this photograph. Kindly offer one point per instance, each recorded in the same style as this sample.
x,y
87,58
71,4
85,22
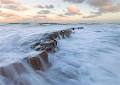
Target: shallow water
x,y
90,57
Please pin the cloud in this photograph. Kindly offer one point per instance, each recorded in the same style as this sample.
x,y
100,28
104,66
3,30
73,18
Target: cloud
x,y
74,1
40,16
15,7
103,6
39,6
7,15
99,3
9,2
94,14
44,12
110,8
45,6
49,6
73,10
61,15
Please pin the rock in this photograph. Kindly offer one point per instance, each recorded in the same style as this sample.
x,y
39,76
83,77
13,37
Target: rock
x,y
53,36
19,67
48,43
49,40
68,32
57,34
50,36
77,28
35,44
80,27
49,46
44,56
40,61
12,70
62,33
73,29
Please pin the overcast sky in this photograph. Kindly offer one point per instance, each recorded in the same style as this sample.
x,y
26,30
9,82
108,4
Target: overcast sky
x,y
60,11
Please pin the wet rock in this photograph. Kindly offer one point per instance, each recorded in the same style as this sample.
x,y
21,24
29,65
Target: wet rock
x,y
68,32
50,36
57,34
80,27
35,44
44,56
19,67
62,34
48,43
77,28
12,70
53,36
49,40
49,46
73,29
40,61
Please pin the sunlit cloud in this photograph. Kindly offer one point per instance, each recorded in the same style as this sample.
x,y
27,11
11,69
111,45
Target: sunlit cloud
x,y
103,6
73,10
74,1
110,8
57,11
99,3
9,17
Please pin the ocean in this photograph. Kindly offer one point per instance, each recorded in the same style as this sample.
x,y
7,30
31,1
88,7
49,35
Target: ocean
x,y
91,56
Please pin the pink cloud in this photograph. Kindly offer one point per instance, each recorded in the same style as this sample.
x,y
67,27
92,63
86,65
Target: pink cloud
x,y
7,14
110,8
9,17
9,1
103,6
99,3
72,9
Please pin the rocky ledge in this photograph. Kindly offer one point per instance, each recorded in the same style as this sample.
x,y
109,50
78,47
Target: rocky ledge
x,y
47,44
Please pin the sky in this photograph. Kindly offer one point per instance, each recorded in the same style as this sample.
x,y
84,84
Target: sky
x,y
59,11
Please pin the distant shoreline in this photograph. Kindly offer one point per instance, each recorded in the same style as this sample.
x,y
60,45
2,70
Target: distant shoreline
x,y
92,23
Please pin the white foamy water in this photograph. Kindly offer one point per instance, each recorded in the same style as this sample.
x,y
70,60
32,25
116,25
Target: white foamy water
x,y
90,57
15,39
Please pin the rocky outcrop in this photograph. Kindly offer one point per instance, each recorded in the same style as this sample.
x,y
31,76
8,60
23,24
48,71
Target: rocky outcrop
x,y
47,44
10,71
40,61
77,28
49,40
